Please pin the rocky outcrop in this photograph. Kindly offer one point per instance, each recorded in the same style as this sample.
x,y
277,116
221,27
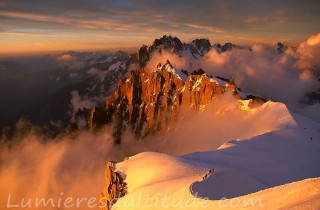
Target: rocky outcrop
x,y
198,47
281,48
114,187
168,43
312,97
226,47
143,55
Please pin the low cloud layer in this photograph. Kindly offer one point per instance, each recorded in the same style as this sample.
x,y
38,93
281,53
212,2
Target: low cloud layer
x,y
64,167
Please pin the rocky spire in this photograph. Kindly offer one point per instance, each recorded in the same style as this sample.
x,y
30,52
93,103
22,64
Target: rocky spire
x,y
148,102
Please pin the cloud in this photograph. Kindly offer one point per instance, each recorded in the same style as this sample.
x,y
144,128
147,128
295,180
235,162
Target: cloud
x,y
180,62
309,56
94,71
69,166
285,20
262,71
70,61
65,58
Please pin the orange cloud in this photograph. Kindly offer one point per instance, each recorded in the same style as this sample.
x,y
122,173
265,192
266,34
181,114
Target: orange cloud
x,y
309,56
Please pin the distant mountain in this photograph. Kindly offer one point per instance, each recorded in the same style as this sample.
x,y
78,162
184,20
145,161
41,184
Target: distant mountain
x,y
100,75
226,47
280,47
197,48
312,97
44,97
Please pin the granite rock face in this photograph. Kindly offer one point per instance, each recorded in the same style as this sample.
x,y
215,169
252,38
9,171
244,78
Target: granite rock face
x,y
148,102
114,187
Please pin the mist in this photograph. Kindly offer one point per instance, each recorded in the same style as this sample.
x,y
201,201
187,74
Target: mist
x,y
68,166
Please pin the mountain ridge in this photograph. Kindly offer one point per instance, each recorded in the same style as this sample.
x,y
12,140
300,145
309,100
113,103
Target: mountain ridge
x,y
197,47
147,102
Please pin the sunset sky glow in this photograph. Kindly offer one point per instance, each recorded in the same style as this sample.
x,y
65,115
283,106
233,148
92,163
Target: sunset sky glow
x,y
43,26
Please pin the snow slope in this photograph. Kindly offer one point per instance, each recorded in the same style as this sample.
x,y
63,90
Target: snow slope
x,y
170,69
250,173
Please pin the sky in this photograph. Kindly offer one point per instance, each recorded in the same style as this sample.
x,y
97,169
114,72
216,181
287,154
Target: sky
x,y
35,26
